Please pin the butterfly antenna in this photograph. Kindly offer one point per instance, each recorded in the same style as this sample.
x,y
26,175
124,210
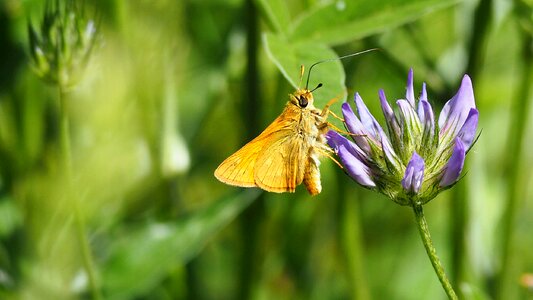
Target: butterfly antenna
x,y
332,59
301,76
319,85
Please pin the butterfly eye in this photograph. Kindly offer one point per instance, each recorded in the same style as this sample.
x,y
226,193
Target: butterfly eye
x,y
302,101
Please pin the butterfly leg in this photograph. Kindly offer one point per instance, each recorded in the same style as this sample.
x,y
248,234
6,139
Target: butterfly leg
x,y
326,110
330,125
327,153
336,117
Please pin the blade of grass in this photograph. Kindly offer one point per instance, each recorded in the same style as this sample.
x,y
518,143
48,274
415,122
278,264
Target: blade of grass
x,y
508,276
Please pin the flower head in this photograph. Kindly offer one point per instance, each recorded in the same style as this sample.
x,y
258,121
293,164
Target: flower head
x,y
417,156
61,45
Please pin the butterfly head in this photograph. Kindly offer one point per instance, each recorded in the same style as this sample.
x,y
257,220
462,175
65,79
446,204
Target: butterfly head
x,y
304,98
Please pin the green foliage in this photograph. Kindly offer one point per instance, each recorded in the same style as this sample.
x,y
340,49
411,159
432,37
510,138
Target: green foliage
x,y
340,22
155,249
10,217
289,56
330,24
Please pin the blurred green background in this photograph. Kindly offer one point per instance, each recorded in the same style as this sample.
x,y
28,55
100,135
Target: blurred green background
x,y
174,87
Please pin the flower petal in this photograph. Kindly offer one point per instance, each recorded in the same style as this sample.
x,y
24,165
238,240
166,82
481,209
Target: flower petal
x,y
355,126
369,122
427,118
391,157
410,122
420,109
390,118
349,155
455,165
456,110
414,174
423,94
468,131
334,140
410,93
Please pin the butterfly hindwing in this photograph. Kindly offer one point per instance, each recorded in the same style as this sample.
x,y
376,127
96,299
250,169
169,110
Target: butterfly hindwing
x,y
279,166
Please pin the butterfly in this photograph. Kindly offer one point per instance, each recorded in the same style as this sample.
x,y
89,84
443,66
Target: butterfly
x,y
286,153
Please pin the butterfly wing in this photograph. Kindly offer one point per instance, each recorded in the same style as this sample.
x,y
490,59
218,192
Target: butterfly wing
x,y
279,165
238,169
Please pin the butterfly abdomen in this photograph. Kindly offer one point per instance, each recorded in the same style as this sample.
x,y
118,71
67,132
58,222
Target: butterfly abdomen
x,y
312,175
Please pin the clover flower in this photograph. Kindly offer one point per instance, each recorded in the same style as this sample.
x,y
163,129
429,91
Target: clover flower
x,y
420,156
61,45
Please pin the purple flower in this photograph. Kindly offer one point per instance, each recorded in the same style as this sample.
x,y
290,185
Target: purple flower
x,y
418,155
414,174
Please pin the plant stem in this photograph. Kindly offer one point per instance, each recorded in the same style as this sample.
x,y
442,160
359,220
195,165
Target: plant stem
x,y
507,287
79,221
458,217
431,251
65,133
252,217
351,241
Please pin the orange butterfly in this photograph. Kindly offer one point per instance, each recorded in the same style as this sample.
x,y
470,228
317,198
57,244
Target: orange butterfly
x,y
286,153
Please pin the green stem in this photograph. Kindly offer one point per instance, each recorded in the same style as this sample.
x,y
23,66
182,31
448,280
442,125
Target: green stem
x,y
79,221
458,217
65,135
513,204
251,219
432,252
351,241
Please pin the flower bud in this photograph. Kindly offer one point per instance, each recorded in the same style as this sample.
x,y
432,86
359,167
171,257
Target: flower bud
x,y
61,45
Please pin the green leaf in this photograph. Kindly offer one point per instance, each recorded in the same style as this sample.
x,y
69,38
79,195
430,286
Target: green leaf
x,y
289,56
141,257
276,14
10,217
340,22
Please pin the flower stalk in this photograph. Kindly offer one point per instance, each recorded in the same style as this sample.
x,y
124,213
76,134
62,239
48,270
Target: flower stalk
x,y
87,259
60,48
432,252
